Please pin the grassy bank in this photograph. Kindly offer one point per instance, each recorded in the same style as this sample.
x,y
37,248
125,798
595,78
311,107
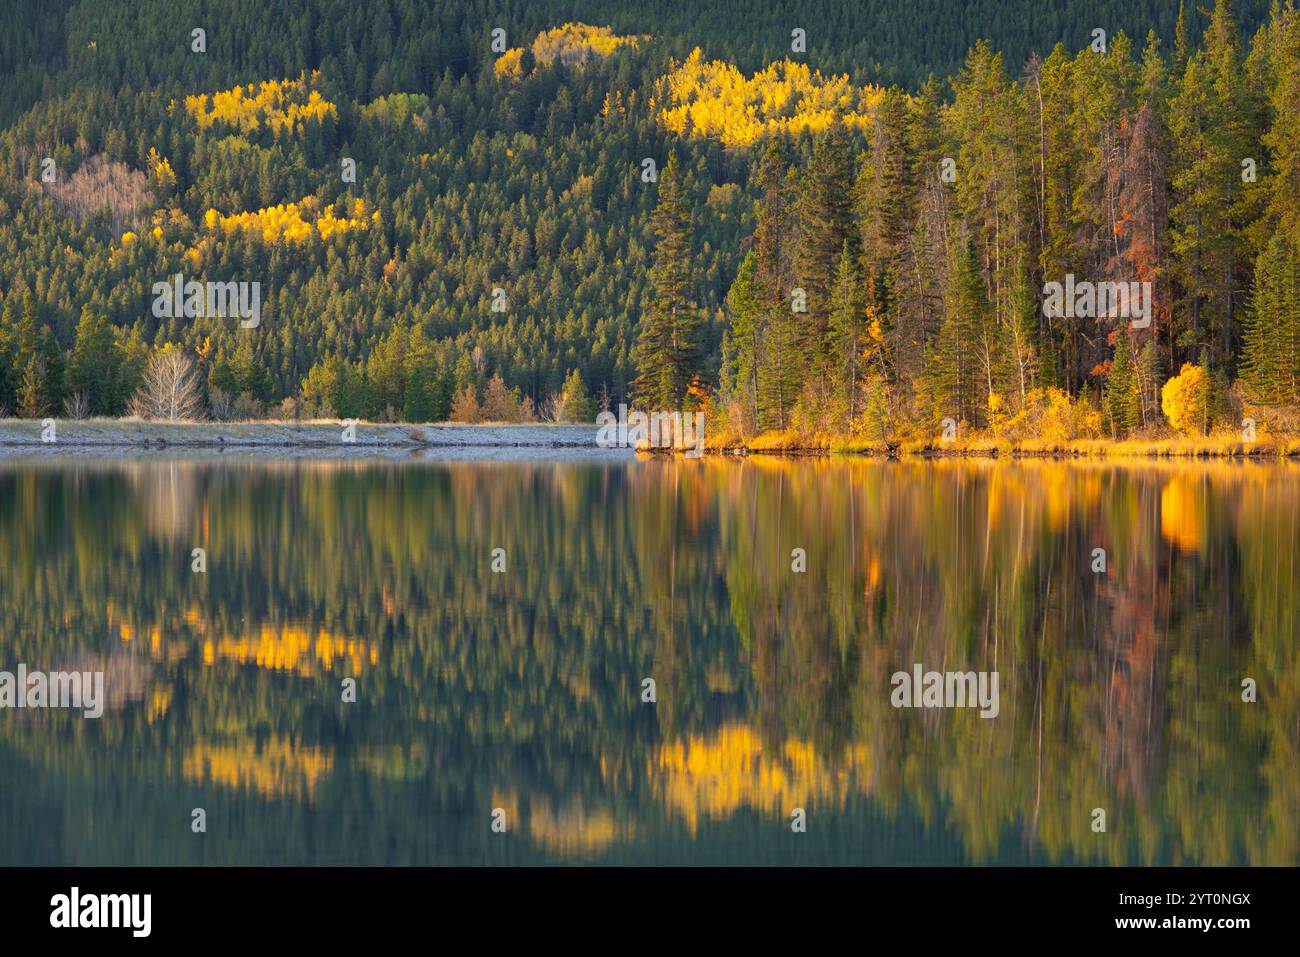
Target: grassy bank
x,y
1217,446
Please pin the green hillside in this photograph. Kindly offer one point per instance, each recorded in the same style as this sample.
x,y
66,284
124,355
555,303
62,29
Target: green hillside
x,y
478,171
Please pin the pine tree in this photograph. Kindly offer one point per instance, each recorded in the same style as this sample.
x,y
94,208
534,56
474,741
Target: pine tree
x,y
1210,132
953,373
824,211
32,402
1271,358
9,369
778,357
1120,397
29,331
94,355
575,403
668,349
744,354
845,334
1020,350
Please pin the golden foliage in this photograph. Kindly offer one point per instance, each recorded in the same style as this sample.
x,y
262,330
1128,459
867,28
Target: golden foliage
x,y
292,648
1185,399
573,830
715,778
716,99
277,104
508,64
1182,512
572,43
577,43
161,168
292,222
1048,415
276,768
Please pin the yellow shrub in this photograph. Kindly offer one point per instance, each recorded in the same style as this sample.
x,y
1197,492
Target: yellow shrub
x,y
1185,400
1052,416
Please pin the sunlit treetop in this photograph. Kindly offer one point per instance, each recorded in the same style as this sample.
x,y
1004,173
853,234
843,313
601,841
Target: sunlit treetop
x,y
275,104
293,222
715,99
572,43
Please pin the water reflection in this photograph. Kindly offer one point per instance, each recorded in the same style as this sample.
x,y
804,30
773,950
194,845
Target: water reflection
x,y
522,690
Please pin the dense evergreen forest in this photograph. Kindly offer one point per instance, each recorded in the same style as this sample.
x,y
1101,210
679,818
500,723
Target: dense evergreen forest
x,y
450,221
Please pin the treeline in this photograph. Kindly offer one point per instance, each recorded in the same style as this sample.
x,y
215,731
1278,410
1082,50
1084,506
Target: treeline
x,y
530,186
376,48
894,284
472,182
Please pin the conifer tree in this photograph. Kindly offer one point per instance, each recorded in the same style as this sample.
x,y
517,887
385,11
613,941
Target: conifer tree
x,y
845,334
953,372
1120,397
825,215
668,348
778,358
1271,358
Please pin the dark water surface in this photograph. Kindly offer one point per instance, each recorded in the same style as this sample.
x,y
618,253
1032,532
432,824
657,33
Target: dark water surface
x,y
522,690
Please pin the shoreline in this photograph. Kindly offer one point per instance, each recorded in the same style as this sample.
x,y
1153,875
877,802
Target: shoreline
x,y
26,436
320,434
1268,447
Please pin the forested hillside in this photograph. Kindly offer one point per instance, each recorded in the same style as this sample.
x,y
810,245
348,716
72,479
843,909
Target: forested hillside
x,y
493,253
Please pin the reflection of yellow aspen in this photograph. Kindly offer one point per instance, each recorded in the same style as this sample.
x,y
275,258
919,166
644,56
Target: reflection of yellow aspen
x,y
292,648
572,830
159,703
873,574
1182,513
714,778
277,768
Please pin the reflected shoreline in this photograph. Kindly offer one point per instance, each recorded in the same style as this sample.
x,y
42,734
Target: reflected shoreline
x,y
522,688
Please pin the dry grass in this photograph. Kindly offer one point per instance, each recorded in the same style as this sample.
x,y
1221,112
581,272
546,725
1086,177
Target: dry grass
x,y
1212,446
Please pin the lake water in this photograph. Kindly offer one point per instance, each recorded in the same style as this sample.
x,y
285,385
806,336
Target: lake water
x,y
517,695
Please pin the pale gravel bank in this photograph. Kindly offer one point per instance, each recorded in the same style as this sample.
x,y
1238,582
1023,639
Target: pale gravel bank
x,y
21,438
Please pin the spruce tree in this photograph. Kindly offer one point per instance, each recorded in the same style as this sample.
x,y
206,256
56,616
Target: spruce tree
x,y
825,215
778,377
1120,397
668,347
953,369
1271,357
845,332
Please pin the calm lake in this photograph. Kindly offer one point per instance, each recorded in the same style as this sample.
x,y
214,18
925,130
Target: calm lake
x,y
510,685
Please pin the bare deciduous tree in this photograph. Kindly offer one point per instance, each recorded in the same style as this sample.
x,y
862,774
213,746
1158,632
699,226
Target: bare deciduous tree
x,y
170,390
75,406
